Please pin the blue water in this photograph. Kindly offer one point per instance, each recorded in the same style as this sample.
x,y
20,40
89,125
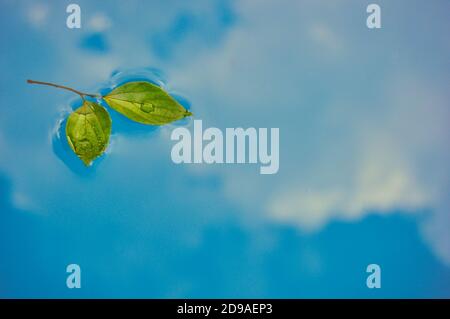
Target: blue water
x,y
364,134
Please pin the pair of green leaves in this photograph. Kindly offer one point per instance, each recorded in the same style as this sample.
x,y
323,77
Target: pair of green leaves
x,y
88,128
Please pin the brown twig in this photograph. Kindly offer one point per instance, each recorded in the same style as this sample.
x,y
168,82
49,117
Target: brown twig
x,y
82,94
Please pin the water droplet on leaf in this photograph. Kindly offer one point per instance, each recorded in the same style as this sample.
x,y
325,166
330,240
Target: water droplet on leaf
x,y
147,107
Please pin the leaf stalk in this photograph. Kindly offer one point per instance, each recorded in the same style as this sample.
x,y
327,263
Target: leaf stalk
x,y
81,94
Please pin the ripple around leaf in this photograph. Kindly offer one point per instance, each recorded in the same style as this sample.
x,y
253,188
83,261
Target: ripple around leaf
x,y
119,77
120,124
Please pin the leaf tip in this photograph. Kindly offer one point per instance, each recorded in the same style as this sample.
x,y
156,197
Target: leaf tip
x,y
86,162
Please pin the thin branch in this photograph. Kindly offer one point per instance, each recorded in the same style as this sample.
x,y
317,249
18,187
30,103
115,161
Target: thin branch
x,y
82,94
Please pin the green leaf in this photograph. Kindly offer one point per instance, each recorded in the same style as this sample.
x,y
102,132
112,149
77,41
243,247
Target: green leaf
x,y
145,103
88,129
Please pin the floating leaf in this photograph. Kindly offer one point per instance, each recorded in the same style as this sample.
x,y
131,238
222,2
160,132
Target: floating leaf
x,y
145,103
88,129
